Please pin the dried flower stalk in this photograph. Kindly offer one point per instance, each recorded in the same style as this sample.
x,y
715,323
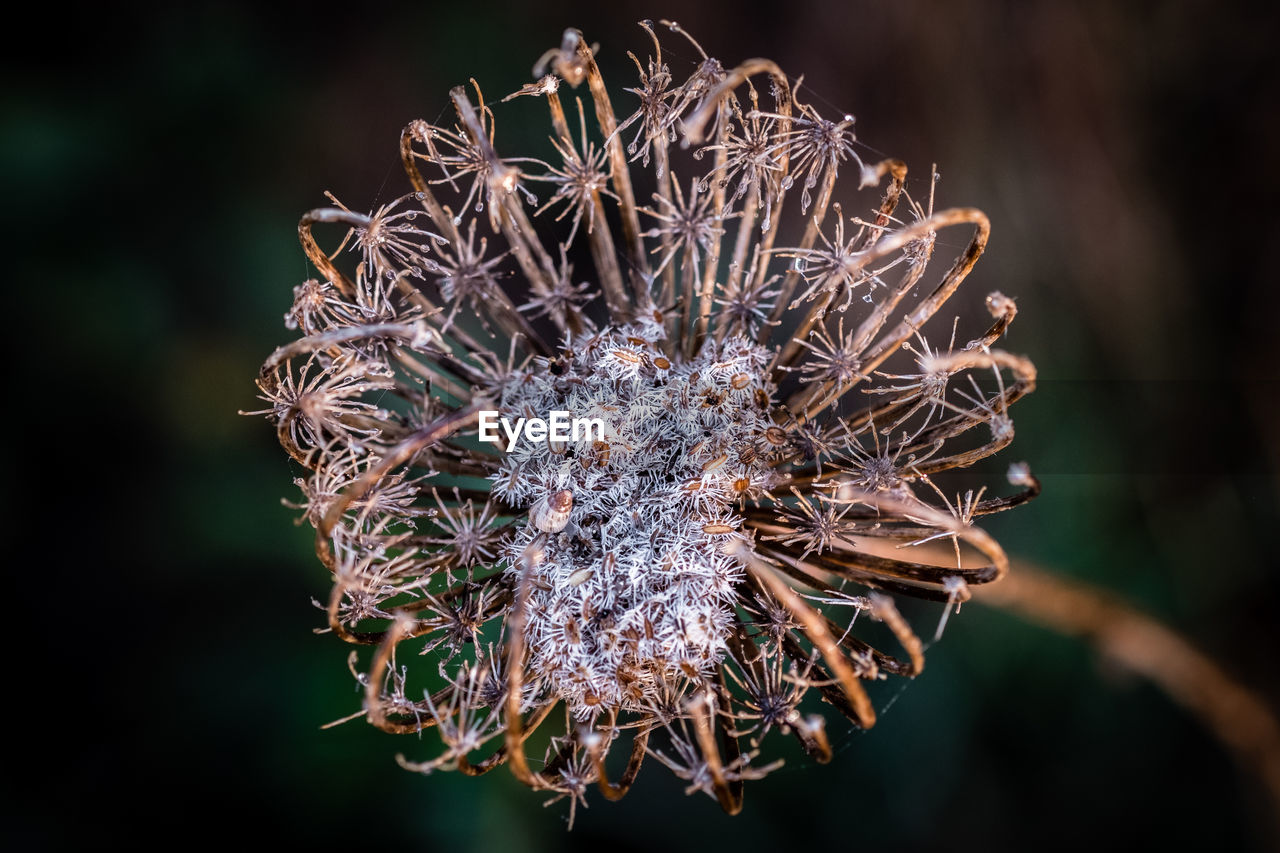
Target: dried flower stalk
x,y
775,414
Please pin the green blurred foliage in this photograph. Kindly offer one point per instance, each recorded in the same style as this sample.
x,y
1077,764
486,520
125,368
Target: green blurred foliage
x,y
156,162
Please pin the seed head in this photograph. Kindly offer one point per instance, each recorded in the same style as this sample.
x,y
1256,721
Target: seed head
x,y
686,580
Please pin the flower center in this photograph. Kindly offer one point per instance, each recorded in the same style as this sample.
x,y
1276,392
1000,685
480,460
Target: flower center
x,y
633,589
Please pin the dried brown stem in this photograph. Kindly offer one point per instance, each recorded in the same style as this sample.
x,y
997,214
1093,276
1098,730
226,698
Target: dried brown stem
x,y
1233,713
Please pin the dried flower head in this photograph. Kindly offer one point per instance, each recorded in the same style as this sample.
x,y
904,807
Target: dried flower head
x,y
693,576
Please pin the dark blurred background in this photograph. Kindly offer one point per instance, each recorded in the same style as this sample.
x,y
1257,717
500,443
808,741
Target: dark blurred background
x,y
169,688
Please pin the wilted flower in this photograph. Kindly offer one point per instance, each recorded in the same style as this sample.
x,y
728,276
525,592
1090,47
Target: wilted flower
x,y
691,577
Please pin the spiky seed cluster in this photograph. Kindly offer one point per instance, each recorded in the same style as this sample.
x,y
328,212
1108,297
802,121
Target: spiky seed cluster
x,y
775,450
634,590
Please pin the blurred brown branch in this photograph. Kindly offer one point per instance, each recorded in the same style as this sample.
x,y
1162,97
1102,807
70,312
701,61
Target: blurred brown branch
x,y
1235,714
